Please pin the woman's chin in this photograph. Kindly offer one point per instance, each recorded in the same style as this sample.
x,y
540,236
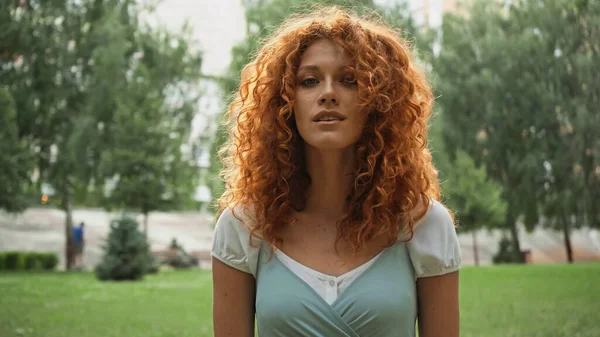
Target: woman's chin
x,y
330,144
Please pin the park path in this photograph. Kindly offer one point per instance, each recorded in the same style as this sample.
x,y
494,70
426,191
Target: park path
x,y
41,229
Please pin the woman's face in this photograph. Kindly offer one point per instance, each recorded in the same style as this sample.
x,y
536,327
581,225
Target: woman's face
x,y
326,105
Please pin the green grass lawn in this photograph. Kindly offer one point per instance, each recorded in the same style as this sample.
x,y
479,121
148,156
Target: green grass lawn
x,y
506,301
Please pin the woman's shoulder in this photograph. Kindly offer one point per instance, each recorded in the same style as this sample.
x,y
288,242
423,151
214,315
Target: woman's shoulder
x,y
436,216
434,248
231,242
237,218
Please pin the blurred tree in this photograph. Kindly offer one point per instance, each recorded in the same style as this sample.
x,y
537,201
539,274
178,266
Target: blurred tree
x,y
483,96
569,89
145,165
467,190
514,87
41,70
127,253
77,72
16,158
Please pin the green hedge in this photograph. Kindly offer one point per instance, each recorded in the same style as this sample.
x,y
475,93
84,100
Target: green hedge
x,y
15,260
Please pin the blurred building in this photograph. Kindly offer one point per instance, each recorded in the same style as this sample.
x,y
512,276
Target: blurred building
x,y
431,12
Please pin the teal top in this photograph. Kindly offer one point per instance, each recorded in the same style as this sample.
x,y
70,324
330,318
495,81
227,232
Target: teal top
x,y
381,301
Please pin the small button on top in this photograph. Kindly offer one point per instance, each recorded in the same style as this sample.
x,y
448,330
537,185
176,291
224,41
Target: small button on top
x,y
332,283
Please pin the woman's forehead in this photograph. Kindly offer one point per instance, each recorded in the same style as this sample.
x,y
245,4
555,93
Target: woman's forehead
x,y
324,52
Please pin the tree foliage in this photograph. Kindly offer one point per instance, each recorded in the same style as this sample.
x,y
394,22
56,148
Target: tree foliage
x,y
103,101
16,159
126,253
515,90
144,163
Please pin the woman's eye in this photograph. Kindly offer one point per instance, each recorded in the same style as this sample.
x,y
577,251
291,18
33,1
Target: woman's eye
x,y
349,80
309,82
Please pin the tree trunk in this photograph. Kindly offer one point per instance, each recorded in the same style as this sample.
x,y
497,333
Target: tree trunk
x,y
146,225
67,207
567,234
512,224
475,250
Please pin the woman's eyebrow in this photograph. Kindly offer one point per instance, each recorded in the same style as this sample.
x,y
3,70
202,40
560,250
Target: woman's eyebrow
x,y
308,67
317,68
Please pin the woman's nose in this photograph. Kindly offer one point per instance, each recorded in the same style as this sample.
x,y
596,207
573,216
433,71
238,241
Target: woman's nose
x,y
328,94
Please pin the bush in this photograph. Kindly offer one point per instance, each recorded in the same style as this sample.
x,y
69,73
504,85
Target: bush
x,y
127,253
48,261
153,264
506,253
32,261
14,261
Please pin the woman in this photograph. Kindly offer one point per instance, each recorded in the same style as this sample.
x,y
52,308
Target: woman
x,y
330,222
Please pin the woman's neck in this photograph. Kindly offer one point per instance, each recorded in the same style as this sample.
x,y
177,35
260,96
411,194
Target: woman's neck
x,y
332,176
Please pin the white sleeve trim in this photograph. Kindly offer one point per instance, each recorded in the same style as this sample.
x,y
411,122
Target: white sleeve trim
x,y
440,271
241,266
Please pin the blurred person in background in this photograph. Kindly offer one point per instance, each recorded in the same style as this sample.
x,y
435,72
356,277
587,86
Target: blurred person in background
x,y
79,244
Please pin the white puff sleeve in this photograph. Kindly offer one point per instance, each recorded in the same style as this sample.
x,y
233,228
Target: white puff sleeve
x,y
434,249
230,243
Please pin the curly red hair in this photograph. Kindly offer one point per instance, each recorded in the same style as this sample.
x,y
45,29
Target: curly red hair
x,y
263,158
